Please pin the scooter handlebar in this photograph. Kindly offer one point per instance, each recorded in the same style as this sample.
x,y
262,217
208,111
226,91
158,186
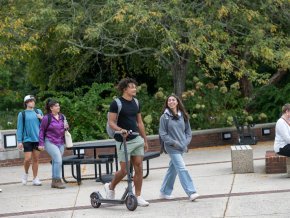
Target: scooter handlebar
x,y
129,132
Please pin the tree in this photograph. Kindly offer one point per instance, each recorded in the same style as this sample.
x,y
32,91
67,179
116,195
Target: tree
x,y
65,40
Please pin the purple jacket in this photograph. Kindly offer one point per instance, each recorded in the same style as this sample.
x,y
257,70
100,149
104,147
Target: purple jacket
x,y
54,132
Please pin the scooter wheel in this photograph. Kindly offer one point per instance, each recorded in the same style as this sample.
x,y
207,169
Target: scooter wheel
x,y
131,202
95,200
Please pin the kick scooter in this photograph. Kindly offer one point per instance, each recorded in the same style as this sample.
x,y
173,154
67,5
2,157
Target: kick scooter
x,y
128,197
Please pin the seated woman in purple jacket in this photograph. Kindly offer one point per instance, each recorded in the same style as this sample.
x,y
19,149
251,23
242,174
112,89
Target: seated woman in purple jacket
x,y
51,137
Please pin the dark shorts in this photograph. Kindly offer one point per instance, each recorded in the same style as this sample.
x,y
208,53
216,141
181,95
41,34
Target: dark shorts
x,y
30,146
285,151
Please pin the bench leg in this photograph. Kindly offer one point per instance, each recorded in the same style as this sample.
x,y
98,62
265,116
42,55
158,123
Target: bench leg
x,y
73,171
116,162
147,170
79,176
100,173
107,168
96,171
63,177
131,170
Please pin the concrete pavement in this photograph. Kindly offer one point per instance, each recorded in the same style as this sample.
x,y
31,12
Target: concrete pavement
x,y
222,193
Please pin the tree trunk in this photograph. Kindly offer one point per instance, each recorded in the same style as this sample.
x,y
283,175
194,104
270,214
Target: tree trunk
x,y
246,86
278,76
179,69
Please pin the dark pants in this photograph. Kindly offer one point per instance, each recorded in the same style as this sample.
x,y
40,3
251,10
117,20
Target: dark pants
x,y
285,151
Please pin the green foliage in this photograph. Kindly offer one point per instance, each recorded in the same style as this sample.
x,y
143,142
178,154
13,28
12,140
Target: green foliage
x,y
104,41
86,110
214,105
269,100
151,108
59,46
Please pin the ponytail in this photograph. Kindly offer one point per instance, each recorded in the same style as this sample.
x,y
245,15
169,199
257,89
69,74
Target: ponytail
x,y
49,103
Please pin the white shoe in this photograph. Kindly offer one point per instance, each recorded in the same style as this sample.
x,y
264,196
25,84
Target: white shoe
x,y
110,194
167,197
36,181
0,190
24,179
193,196
142,202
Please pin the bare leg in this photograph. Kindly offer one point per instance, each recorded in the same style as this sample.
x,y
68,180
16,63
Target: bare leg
x,y
27,158
35,158
119,175
137,162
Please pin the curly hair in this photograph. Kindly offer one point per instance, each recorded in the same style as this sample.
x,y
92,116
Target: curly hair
x,y
124,83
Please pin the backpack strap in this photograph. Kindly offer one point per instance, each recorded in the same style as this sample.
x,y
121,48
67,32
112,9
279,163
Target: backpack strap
x,y
162,149
37,112
23,123
137,102
48,123
48,120
167,121
119,104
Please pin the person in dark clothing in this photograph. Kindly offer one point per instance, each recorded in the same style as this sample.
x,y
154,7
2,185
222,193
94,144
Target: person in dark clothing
x,y
129,118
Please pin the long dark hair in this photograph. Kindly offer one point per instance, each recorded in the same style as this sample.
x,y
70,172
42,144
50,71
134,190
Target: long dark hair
x,y
49,103
180,107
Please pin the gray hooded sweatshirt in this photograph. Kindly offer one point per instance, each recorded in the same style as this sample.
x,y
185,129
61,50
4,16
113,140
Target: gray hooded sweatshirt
x,y
175,133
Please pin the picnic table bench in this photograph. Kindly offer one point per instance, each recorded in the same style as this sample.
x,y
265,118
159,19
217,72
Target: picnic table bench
x,y
76,160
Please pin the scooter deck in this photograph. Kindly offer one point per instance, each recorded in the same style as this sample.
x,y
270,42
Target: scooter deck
x,y
104,200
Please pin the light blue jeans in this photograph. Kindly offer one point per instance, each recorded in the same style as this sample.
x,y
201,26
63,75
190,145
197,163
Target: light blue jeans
x,y
55,153
177,166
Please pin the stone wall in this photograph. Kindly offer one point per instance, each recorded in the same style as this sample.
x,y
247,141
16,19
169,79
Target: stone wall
x,y
200,138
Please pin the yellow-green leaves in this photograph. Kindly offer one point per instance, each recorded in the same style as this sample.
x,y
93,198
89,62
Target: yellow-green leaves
x,y
267,53
93,32
63,30
222,12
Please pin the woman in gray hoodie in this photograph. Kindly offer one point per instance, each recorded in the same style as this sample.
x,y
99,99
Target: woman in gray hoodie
x,y
175,132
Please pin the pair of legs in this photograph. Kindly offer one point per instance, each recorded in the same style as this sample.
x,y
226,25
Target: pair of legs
x,y
55,153
135,150
31,152
177,167
137,162
285,151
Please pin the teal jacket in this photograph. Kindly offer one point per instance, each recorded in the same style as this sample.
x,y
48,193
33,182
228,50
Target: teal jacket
x,y
30,133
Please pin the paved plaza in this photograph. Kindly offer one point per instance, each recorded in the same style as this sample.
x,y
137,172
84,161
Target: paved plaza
x,y
222,193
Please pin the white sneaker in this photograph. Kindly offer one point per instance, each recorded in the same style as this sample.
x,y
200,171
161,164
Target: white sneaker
x,y
167,197
110,194
36,181
24,179
142,202
193,196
